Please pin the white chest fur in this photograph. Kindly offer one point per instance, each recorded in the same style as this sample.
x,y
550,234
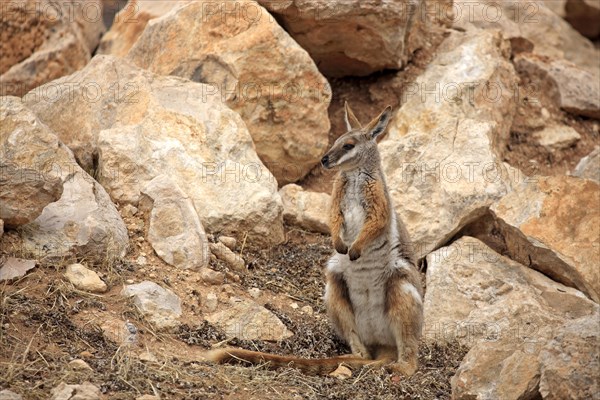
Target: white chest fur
x,y
353,211
367,294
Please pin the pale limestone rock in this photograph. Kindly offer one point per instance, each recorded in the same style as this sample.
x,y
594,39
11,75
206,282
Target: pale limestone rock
x,y
130,22
569,86
83,222
80,365
174,229
546,223
254,292
85,391
121,332
308,310
250,63
505,369
532,22
9,395
475,294
571,361
589,166
140,125
85,279
504,312
354,37
43,40
211,277
160,306
147,397
228,241
27,182
247,320
557,137
307,210
11,268
211,302
442,158
224,254
129,210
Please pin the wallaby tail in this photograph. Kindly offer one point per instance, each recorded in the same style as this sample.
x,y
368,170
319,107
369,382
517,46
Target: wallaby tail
x,y
317,366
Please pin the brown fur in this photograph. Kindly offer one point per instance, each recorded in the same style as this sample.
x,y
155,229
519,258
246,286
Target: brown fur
x,y
360,189
336,218
378,216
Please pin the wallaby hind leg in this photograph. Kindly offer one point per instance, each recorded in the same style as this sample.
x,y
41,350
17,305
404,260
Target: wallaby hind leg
x,y
405,312
341,315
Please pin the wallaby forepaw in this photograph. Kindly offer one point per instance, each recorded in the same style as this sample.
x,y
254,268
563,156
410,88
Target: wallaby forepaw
x,y
354,254
340,247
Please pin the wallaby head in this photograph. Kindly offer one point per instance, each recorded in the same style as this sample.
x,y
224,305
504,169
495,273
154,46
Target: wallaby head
x,y
359,145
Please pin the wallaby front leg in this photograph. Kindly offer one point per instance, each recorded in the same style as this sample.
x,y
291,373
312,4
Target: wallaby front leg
x,y
336,218
341,314
377,217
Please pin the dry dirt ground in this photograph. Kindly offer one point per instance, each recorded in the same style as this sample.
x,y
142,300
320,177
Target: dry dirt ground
x,y
45,323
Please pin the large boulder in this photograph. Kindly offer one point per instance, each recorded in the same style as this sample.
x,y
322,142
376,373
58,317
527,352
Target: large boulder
x,y
140,125
571,361
305,209
83,222
552,224
474,294
529,25
26,184
442,157
504,312
589,166
566,85
174,229
354,37
252,65
130,22
44,40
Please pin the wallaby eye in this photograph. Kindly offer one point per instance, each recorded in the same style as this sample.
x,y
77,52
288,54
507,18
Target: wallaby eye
x,y
348,146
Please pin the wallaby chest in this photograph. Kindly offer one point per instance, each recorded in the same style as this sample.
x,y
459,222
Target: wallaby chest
x,y
353,208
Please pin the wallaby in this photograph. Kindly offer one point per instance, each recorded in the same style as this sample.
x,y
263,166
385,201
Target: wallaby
x,y
373,292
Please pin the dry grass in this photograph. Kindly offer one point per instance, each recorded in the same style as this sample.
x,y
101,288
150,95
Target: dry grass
x,y
45,323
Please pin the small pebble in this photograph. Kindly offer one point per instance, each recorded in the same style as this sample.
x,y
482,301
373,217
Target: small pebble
x,y
228,241
129,210
147,397
254,292
80,365
308,310
211,302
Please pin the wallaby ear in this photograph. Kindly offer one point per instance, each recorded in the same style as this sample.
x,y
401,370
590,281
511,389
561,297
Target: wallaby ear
x,y
351,121
378,125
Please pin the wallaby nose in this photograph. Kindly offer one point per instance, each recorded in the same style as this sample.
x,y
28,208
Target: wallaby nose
x,y
325,160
